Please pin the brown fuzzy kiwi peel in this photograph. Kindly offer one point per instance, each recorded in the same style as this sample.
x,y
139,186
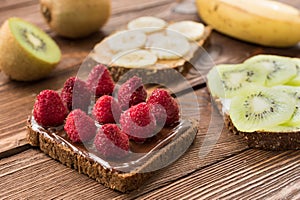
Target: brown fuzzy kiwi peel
x,y
75,19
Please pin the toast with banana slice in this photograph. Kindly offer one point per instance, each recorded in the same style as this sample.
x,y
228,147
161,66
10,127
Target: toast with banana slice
x,y
259,99
151,44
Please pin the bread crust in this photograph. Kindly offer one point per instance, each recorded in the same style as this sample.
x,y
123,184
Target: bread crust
x,y
267,140
120,181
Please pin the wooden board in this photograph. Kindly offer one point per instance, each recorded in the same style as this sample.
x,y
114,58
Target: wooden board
x,y
230,170
252,174
26,169
219,48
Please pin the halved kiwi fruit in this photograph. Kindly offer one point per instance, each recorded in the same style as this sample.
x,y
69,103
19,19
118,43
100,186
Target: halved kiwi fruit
x,y
279,69
227,80
259,107
26,52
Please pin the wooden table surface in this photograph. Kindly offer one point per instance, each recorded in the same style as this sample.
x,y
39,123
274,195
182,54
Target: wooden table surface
x,y
230,170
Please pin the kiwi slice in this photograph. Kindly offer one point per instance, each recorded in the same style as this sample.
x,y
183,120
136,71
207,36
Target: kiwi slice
x,y
294,92
227,80
279,69
295,81
259,107
214,83
26,52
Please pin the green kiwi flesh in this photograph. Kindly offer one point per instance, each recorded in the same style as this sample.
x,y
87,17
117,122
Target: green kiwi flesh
x,y
281,129
214,83
294,92
257,108
295,81
227,80
35,41
280,69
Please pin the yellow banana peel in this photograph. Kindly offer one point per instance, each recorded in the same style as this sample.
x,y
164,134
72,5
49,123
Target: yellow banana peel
x,y
263,22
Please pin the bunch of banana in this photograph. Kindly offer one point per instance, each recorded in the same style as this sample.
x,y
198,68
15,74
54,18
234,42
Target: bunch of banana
x,y
263,22
150,43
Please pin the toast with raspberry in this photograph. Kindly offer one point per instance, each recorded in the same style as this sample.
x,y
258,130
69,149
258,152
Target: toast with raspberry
x,y
119,148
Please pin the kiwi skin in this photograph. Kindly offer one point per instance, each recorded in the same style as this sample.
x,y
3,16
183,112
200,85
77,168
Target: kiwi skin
x,y
75,18
18,63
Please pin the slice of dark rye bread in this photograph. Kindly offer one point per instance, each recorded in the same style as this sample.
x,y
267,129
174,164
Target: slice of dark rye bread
x,y
51,144
262,139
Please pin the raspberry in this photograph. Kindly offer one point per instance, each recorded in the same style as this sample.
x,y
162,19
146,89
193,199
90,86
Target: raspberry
x,y
79,126
111,142
138,122
159,113
49,109
107,110
131,92
163,98
100,81
76,94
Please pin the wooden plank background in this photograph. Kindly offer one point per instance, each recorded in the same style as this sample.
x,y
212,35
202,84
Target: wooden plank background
x,y
230,171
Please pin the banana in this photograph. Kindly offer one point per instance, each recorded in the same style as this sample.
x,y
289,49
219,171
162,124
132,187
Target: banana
x,y
263,22
127,40
134,59
147,24
168,46
192,30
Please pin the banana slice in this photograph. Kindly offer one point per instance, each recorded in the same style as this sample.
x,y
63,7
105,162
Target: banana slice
x,y
166,46
134,59
102,53
127,40
147,24
192,30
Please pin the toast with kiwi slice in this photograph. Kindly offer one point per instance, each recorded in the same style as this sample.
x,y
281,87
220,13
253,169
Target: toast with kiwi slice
x,y
151,44
259,99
